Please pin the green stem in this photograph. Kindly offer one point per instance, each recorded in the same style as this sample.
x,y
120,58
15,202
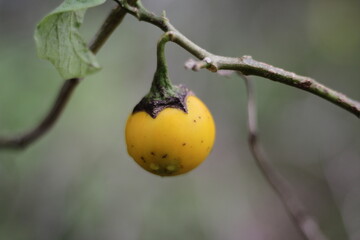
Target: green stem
x,y
161,86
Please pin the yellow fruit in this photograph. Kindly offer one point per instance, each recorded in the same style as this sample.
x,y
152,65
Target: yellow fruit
x,y
174,142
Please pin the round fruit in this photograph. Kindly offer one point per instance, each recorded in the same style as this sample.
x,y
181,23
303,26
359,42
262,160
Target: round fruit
x,y
174,142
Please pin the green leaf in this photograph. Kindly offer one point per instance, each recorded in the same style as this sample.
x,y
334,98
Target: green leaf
x,y
58,39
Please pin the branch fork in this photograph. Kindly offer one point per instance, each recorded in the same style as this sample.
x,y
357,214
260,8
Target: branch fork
x,y
197,65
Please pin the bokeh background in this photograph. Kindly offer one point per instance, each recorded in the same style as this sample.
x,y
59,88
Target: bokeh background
x,y
78,182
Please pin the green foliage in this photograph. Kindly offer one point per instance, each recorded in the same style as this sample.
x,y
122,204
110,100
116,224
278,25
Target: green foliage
x,y
59,41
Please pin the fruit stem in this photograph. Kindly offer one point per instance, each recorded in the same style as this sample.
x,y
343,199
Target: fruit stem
x,y
161,85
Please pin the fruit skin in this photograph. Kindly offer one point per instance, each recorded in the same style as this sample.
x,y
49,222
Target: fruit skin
x,y
174,142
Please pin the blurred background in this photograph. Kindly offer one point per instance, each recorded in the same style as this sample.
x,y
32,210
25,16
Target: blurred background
x,y
78,182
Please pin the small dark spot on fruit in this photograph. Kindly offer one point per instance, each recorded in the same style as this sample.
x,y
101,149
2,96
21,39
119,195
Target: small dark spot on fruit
x,y
202,141
132,146
164,156
184,144
208,149
194,121
199,117
152,153
143,159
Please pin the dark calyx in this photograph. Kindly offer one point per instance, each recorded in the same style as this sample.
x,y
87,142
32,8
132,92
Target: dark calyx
x,y
153,104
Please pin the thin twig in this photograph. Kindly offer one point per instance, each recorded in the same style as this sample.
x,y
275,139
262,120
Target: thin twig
x,y
306,223
246,64
25,139
112,21
18,142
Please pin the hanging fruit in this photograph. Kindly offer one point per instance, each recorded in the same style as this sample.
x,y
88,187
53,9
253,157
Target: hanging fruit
x,y
170,131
